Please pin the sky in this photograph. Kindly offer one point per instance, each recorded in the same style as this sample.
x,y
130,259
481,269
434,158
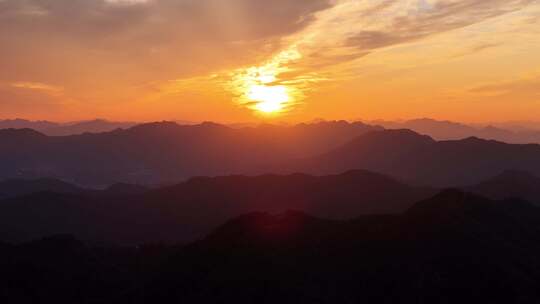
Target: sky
x,y
281,60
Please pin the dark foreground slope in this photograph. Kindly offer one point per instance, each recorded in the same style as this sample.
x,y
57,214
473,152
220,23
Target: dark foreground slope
x,y
452,248
191,209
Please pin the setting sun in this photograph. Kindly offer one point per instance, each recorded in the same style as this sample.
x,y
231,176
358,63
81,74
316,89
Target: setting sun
x,y
264,89
269,99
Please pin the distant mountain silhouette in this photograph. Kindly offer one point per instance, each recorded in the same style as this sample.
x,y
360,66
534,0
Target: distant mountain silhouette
x,y
420,159
165,152
15,187
120,189
91,126
448,130
511,132
191,209
510,184
63,129
26,124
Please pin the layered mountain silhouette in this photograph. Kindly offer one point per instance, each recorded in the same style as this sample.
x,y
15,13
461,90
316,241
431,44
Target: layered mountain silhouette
x,y
191,209
510,132
64,129
17,187
421,160
13,188
454,247
510,184
448,130
165,152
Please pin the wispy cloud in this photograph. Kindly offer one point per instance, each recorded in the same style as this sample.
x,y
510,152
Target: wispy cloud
x,y
528,86
353,29
37,86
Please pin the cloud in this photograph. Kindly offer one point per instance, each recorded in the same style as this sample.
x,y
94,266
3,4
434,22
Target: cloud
x,y
164,36
528,87
476,49
37,86
354,29
140,22
359,27
426,20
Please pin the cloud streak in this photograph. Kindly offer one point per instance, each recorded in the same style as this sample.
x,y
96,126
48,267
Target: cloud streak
x,y
353,29
168,37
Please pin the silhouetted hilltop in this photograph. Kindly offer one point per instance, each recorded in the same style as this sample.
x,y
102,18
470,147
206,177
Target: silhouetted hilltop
x,y
191,209
91,126
419,159
64,129
448,202
264,228
510,184
19,134
448,130
479,252
166,152
16,187
125,189
13,188
517,132
454,247
26,124
162,152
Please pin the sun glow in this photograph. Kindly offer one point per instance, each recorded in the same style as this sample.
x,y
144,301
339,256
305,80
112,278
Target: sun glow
x,y
269,99
261,89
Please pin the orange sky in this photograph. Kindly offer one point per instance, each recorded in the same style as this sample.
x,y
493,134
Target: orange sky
x,y
233,60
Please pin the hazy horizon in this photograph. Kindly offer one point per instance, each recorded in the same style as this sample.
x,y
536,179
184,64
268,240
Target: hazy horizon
x,y
533,124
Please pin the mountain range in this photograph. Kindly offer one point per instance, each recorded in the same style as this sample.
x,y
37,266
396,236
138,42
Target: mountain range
x,y
419,159
509,132
130,214
449,130
19,187
165,153
191,209
64,129
452,247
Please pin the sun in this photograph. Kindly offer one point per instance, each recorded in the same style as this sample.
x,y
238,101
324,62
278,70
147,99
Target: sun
x,y
269,99
265,89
